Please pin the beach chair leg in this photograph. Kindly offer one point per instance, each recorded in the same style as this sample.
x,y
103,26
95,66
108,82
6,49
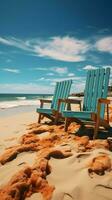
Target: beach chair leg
x,y
105,124
96,128
56,118
67,122
80,106
39,118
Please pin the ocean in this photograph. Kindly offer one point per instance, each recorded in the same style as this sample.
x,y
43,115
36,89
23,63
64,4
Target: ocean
x,y
16,100
11,104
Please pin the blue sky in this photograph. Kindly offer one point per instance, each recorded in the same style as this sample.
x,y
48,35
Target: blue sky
x,y
44,41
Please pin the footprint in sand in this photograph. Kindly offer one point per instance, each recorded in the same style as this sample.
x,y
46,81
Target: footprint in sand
x,y
79,157
104,192
70,195
83,156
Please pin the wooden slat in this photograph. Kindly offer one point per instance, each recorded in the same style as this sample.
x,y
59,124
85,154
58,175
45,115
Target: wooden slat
x,y
97,89
55,92
105,90
55,97
90,89
62,91
86,91
59,94
107,74
101,83
65,93
101,87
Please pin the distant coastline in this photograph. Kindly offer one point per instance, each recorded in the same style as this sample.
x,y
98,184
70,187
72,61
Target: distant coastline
x,y
81,94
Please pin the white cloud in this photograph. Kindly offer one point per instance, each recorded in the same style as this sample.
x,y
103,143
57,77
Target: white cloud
x,y
89,67
75,78
24,45
77,86
42,78
71,74
12,70
5,41
25,88
63,48
40,68
104,44
50,74
60,70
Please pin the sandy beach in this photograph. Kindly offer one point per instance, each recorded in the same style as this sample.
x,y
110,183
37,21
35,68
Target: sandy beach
x,y
14,125
55,62
44,162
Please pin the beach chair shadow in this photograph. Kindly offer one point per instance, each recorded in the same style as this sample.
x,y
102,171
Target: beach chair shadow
x,y
89,131
95,99
62,91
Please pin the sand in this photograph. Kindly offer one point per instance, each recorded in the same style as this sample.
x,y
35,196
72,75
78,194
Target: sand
x,y
42,162
11,129
14,126
72,180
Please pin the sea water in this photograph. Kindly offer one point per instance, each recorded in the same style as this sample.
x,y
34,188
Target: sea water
x,y
16,100
11,104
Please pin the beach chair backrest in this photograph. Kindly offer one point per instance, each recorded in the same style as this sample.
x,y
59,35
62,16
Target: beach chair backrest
x,y
96,87
62,91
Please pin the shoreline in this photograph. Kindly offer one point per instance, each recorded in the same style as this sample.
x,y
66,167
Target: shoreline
x,y
7,112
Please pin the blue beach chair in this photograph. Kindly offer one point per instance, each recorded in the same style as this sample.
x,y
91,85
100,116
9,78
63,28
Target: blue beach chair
x,y
62,90
95,95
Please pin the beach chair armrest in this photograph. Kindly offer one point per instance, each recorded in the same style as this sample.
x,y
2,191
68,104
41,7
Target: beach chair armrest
x,y
45,100
68,102
105,101
72,101
42,101
96,116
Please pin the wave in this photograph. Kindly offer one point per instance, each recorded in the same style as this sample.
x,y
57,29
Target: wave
x,y
20,102
21,98
12,104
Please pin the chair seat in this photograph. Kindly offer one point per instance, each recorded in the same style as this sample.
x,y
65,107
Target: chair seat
x,y
44,110
84,115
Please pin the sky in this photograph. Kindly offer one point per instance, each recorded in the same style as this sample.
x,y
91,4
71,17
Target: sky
x,y
45,41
